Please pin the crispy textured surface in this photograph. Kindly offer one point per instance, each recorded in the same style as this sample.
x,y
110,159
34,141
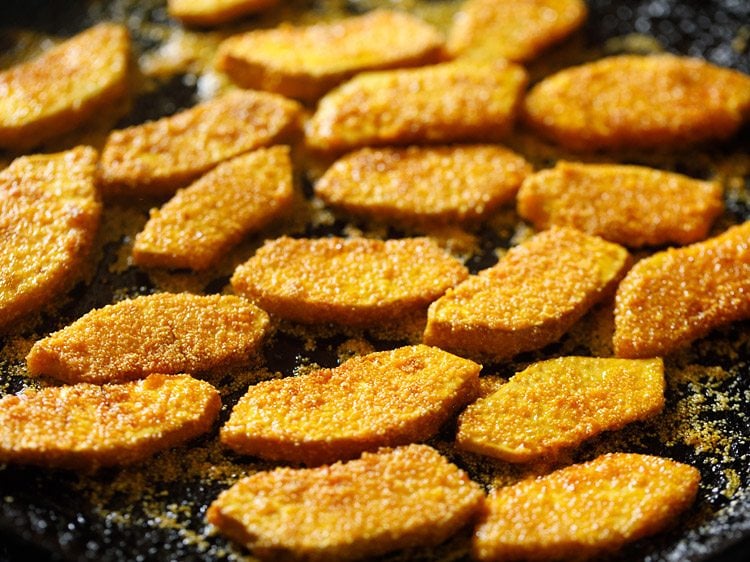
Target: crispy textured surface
x,y
156,158
674,297
424,184
387,398
306,62
65,86
553,406
199,224
656,101
351,281
215,12
49,214
161,333
88,426
585,509
382,502
630,205
471,101
530,298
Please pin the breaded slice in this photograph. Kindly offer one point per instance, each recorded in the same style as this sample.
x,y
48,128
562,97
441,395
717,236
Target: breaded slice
x,y
396,498
585,509
456,101
199,224
49,215
305,62
161,333
633,101
156,158
553,406
674,297
630,205
64,87
350,281
215,12
530,298
424,184
85,426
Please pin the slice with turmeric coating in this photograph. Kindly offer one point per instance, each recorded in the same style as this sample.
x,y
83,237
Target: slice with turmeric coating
x,y
215,12
584,510
85,426
396,498
161,333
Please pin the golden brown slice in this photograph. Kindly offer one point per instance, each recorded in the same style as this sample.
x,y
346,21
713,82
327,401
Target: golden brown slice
x,y
674,297
630,205
49,214
532,296
350,281
215,12
156,158
585,509
418,184
393,499
161,333
85,426
382,399
469,101
64,87
306,62
553,406
656,101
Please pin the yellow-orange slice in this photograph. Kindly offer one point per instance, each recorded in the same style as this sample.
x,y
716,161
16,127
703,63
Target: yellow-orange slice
x,y
215,12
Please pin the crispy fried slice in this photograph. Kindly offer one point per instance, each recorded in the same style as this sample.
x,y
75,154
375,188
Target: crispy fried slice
x,y
350,281
631,101
162,333
306,62
470,101
585,509
677,296
49,214
554,406
59,90
418,184
215,12
396,498
630,205
529,299
88,426
156,158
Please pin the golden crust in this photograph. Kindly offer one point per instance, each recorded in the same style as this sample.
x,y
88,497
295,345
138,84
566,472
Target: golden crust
x,y
215,12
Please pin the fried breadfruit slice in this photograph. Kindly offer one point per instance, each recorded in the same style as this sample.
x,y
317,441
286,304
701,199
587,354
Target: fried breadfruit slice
x,y
444,184
530,298
584,510
156,158
215,12
200,223
455,101
553,406
349,281
389,500
86,426
633,101
305,62
56,92
161,333
49,215
674,297
630,205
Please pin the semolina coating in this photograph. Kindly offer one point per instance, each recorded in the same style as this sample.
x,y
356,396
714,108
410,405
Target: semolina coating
x,y
160,333
630,205
215,12
553,406
49,214
674,297
584,510
86,426
389,500
381,399
202,222
347,281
